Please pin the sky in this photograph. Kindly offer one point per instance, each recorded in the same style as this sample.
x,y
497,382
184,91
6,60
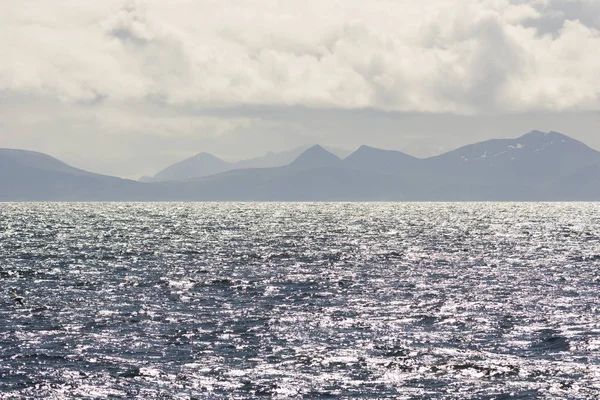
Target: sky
x,y
128,87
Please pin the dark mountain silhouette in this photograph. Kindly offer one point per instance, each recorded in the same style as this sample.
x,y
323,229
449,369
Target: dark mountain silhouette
x,y
202,164
33,176
271,159
385,161
314,157
34,160
507,169
205,164
146,178
535,166
537,152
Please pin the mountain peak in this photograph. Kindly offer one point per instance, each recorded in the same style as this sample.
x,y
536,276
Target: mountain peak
x,y
538,138
39,160
535,134
206,155
202,164
364,147
535,166
315,156
374,159
369,149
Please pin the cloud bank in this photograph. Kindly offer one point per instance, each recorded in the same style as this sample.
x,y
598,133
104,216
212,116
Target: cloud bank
x,y
467,57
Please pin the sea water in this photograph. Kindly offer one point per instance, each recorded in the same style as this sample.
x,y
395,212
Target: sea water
x,y
300,300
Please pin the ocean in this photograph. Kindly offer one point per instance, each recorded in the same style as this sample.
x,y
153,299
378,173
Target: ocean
x,y
300,300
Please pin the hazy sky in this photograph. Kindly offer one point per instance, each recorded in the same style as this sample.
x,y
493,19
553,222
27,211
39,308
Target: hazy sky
x,y
128,87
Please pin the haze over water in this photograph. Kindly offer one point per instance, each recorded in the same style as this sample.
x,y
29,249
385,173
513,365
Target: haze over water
x,y
300,300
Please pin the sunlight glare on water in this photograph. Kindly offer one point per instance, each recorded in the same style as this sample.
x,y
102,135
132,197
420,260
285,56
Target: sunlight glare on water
x,y
300,300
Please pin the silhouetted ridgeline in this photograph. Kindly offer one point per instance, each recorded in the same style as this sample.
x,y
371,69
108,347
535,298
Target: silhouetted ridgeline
x,y
534,167
205,164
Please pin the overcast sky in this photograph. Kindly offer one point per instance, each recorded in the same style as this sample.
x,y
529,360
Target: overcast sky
x,y
128,87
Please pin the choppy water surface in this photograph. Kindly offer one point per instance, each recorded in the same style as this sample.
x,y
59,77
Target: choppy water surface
x,y
237,301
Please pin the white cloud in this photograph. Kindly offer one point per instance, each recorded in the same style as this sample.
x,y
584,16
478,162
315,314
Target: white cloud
x,y
118,139
464,56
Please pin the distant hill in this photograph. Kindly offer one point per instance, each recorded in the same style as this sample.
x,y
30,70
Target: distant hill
x,y
314,157
506,169
202,164
33,176
205,164
271,159
23,159
538,153
377,160
536,166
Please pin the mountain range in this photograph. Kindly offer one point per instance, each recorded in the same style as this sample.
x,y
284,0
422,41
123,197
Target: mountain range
x,y
205,164
537,166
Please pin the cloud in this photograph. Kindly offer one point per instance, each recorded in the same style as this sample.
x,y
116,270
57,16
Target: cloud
x,y
464,57
119,139
553,14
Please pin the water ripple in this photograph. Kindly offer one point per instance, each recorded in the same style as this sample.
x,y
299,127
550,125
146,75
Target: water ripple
x,y
227,300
